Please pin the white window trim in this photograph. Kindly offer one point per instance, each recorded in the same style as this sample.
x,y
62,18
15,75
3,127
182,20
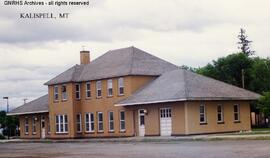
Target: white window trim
x,y
55,93
64,99
100,122
221,113
97,89
91,129
79,91
121,86
238,113
120,120
204,114
87,90
80,123
109,116
109,81
59,124
34,124
26,132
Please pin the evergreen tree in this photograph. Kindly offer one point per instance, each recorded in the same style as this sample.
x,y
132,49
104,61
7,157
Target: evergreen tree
x,y
244,43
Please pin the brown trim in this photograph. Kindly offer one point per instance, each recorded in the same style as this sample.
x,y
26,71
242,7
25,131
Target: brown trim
x,y
207,133
151,135
221,122
205,123
61,133
237,121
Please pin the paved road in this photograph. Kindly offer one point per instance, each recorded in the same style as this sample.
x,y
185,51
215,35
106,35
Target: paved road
x,y
192,149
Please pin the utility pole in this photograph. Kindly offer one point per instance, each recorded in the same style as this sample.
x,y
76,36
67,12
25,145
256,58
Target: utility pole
x,y
243,78
6,98
7,103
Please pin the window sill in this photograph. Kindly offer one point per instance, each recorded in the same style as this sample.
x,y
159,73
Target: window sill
x,y
122,131
99,97
221,123
56,101
64,100
112,131
78,99
79,132
88,98
26,133
34,133
237,121
100,132
120,95
89,132
110,96
203,123
61,133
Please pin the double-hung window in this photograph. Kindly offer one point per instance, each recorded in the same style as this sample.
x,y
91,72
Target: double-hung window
x,y
61,123
64,92
89,122
121,86
109,87
98,87
55,93
34,127
100,122
122,121
202,114
26,125
111,122
79,123
78,91
236,112
88,90
220,114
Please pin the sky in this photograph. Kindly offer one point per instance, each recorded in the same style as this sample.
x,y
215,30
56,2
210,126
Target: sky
x,y
183,32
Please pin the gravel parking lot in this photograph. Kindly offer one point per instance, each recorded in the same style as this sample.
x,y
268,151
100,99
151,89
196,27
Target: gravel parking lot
x,y
191,149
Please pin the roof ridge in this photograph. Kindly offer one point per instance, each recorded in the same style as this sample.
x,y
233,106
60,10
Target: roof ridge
x,y
185,84
132,59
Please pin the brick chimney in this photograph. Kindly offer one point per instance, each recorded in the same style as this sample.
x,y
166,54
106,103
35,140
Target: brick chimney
x,y
85,57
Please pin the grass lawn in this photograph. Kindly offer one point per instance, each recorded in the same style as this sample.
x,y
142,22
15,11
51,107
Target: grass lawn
x,y
254,131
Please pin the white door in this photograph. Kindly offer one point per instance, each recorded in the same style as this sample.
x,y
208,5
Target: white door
x,y
43,131
141,122
165,122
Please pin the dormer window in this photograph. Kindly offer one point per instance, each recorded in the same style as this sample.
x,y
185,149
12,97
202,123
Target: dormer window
x,y
121,86
64,92
55,93
98,87
88,90
109,88
78,91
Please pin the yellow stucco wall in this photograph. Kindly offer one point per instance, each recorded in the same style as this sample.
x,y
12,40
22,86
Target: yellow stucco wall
x,y
193,125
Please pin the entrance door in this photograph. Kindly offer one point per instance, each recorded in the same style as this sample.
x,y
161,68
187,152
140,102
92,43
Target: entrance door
x,y
165,122
43,131
141,122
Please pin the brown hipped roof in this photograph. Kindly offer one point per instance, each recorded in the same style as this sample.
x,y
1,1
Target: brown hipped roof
x,y
115,63
183,85
39,105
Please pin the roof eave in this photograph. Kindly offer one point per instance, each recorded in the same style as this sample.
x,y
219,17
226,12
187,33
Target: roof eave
x,y
188,99
24,113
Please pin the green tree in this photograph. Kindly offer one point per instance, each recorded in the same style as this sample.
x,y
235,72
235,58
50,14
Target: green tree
x,y
260,75
8,123
264,103
229,69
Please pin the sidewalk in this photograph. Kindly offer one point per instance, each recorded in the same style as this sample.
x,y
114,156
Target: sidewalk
x,y
147,139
